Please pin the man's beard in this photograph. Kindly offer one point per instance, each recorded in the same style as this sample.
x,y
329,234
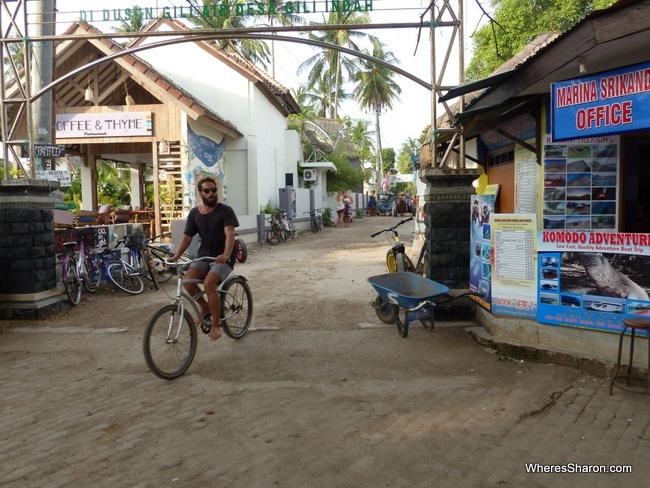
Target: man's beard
x,y
209,201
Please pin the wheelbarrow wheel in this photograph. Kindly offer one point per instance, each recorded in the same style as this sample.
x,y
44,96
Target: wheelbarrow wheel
x,y
386,312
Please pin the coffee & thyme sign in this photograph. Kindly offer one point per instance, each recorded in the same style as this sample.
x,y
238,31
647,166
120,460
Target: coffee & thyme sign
x,y
223,10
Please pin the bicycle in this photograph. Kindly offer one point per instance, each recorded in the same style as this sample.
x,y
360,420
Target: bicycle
x,y
276,233
287,225
315,220
126,275
79,271
169,341
398,260
396,257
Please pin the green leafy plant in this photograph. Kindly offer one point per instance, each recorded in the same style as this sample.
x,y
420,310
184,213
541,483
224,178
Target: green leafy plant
x,y
327,217
269,209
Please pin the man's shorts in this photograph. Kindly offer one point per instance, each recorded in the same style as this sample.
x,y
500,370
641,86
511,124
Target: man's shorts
x,y
221,269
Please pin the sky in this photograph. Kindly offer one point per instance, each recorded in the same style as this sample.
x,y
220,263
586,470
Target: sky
x,y
410,114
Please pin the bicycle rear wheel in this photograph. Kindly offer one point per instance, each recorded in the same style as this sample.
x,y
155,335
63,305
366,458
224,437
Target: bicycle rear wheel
x,y
236,308
124,279
92,273
169,342
72,282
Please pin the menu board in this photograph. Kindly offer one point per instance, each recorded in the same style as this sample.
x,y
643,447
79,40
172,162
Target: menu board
x,y
580,179
514,268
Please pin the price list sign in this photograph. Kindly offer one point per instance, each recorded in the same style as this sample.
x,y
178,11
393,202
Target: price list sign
x,y
519,247
514,265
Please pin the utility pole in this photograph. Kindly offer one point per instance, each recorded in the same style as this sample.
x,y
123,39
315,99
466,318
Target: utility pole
x,y
380,163
41,71
451,19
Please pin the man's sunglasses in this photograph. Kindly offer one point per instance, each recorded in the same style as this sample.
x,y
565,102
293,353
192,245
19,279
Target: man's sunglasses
x,y
209,190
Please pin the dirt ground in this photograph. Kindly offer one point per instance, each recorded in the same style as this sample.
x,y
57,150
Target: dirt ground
x,y
318,394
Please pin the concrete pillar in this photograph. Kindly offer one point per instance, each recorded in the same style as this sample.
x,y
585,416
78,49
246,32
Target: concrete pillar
x,y
447,206
27,252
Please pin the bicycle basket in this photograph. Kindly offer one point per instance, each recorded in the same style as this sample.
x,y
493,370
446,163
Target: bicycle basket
x,y
135,240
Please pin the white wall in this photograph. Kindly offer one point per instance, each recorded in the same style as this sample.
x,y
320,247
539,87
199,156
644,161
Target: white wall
x,y
255,164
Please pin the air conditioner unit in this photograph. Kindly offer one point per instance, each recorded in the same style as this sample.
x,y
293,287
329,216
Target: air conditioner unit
x,y
310,175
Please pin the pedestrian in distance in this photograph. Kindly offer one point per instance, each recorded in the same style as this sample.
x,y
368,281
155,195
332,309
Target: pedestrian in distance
x,y
347,214
340,208
371,205
215,223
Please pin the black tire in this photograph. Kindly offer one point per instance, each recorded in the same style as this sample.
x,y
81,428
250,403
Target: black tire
x,y
386,312
320,224
272,237
92,272
294,232
121,277
72,282
147,268
282,233
241,253
314,226
169,357
236,308
400,262
163,272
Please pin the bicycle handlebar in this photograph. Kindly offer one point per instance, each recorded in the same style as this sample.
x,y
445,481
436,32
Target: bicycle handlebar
x,y
392,229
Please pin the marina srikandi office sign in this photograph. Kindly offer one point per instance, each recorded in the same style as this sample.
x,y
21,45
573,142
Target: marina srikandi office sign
x,y
611,102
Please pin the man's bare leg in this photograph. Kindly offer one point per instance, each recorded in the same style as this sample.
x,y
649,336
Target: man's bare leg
x,y
193,289
210,284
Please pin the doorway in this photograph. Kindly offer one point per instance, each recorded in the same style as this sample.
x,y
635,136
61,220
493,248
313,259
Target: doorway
x,y
636,188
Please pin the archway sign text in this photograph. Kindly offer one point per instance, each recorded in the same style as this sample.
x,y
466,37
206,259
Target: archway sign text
x,y
222,9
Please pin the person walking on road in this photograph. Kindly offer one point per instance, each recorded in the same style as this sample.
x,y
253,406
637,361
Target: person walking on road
x,y
215,223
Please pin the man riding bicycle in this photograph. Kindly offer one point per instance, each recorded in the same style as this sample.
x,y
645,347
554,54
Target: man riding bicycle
x,y
215,223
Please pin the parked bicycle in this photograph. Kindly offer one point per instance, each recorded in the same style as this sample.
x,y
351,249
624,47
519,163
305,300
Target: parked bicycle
x,y
77,271
276,232
396,257
126,275
315,220
169,341
287,225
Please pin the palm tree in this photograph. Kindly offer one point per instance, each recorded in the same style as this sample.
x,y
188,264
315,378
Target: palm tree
x,y
376,90
322,97
254,50
362,138
331,62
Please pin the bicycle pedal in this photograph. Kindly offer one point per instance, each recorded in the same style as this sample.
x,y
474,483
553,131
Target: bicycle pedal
x,y
206,322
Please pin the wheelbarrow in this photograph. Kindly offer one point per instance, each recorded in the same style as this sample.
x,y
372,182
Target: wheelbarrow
x,y
417,295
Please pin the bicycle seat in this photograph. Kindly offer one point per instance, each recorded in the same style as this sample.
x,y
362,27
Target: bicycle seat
x,y
70,244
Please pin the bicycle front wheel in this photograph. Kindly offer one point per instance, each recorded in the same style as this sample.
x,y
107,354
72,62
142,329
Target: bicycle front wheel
x,y
398,262
272,237
314,226
169,342
236,308
72,282
124,279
